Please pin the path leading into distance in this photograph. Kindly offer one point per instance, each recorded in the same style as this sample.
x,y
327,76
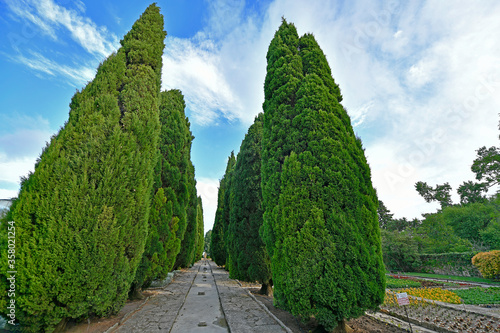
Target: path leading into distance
x,y
201,299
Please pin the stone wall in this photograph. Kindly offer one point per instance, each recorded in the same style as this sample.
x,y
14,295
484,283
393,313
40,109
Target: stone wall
x,y
457,264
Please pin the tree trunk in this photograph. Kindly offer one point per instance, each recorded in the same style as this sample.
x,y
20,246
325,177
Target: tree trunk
x,y
135,293
342,328
61,327
266,289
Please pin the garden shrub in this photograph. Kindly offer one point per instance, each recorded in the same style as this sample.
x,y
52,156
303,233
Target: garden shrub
x,y
488,264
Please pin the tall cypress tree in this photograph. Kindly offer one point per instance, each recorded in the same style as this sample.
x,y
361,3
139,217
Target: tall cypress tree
x,y
249,258
221,222
284,73
327,259
188,245
175,155
81,217
171,192
200,242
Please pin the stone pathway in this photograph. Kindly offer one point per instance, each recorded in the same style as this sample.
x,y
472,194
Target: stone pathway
x,y
243,313
201,299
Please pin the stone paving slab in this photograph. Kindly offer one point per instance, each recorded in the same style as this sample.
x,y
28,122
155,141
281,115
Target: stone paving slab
x,y
159,312
203,294
201,311
243,313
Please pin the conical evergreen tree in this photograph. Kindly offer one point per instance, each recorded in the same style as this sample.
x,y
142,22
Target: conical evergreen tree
x,y
188,245
200,243
249,258
284,74
221,222
327,259
170,201
175,147
81,217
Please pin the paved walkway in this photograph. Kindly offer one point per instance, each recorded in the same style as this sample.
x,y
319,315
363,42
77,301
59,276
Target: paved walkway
x,y
201,299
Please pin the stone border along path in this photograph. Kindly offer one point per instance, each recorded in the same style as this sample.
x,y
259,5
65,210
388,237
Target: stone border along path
x,y
200,299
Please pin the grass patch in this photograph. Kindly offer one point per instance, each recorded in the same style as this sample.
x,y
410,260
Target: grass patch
x,y
454,278
479,295
393,283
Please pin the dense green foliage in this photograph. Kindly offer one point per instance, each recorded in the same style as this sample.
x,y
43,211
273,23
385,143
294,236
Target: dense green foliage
x,y
479,295
200,240
81,218
284,74
218,242
186,256
400,251
169,207
321,224
247,252
208,242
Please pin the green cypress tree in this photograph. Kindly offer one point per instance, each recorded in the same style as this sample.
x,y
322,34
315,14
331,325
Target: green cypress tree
x,y
327,259
208,241
175,150
188,245
200,242
169,204
249,258
81,217
284,73
221,222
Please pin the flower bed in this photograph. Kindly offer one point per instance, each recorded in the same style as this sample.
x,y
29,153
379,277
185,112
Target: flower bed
x,y
436,294
438,318
480,295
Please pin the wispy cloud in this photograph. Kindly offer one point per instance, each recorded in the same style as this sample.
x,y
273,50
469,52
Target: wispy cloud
x,y
49,17
76,75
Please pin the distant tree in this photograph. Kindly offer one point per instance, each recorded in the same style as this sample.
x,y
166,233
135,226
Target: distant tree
x,y
440,193
186,256
208,240
468,221
218,243
487,165
471,192
400,250
321,224
249,258
81,217
384,215
200,241
434,235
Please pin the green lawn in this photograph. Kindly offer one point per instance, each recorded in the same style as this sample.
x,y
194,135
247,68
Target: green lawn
x,y
479,295
392,283
455,278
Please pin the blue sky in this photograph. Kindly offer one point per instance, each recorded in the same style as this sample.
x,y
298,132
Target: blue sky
x,y
420,79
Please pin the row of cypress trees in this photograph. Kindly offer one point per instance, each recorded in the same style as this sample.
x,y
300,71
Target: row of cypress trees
x,y
301,185
112,203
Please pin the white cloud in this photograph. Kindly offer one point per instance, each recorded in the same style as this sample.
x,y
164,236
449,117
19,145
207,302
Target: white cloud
x,y
208,189
77,75
49,16
21,143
